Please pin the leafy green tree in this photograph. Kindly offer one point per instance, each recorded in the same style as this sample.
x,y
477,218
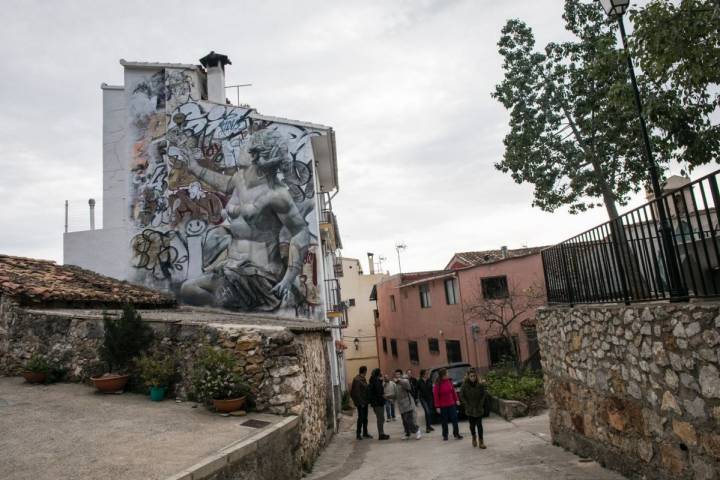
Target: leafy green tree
x,y
574,132
677,47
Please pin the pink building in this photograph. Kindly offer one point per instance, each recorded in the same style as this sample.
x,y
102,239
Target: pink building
x,y
428,319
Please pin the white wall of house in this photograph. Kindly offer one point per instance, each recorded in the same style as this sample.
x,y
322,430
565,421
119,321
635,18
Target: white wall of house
x,y
104,251
115,157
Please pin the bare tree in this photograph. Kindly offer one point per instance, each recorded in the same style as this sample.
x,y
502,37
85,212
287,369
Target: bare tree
x,y
500,307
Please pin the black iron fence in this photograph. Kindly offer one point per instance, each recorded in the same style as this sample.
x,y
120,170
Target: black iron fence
x,y
625,260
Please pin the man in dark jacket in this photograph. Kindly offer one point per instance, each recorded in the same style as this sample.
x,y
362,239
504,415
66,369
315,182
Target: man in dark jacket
x,y
376,399
425,396
358,393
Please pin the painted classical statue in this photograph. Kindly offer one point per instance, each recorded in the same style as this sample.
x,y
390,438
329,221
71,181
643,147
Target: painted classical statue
x,y
266,235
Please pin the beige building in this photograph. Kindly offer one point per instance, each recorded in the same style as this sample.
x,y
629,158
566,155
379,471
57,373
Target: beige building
x,y
359,335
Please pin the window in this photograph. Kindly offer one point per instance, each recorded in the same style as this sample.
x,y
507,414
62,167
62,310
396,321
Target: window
x,y
425,295
393,347
413,349
451,296
453,351
494,287
433,345
500,350
384,345
351,302
392,303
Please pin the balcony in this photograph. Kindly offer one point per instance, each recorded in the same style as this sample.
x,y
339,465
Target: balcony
x,y
336,308
329,232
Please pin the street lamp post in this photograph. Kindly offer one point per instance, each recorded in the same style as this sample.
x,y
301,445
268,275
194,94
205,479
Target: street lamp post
x,y
617,8
398,248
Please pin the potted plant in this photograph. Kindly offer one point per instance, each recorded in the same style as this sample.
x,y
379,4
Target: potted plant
x,y
36,369
215,381
124,339
156,372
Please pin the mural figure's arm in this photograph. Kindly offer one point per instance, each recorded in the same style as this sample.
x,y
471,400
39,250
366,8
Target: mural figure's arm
x,y
290,217
221,182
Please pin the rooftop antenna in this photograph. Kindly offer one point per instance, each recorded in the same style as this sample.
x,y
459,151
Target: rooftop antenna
x,y
380,260
237,90
398,248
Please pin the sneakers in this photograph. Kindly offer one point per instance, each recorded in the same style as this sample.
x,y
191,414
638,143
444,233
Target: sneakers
x,y
384,437
367,435
458,437
418,434
405,436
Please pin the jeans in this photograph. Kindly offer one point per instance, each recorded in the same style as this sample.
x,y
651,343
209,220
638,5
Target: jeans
x,y
409,423
362,420
476,423
380,416
389,409
449,414
427,408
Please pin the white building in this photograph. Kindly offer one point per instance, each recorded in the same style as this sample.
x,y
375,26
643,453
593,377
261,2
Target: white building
x,y
214,202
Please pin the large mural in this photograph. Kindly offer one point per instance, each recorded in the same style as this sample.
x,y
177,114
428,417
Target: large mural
x,y
223,204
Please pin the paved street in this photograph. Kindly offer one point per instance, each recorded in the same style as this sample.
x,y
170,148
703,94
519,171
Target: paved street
x,y
516,450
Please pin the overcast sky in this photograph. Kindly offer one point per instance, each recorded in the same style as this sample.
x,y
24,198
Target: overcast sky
x,y
405,84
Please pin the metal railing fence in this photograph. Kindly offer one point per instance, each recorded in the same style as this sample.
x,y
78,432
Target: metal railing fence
x,y
623,260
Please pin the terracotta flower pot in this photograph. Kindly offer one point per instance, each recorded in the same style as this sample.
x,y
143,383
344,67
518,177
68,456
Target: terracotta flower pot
x,y
34,377
229,404
110,382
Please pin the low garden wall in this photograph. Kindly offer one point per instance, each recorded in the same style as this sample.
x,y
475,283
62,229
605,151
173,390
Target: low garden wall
x,y
286,367
636,387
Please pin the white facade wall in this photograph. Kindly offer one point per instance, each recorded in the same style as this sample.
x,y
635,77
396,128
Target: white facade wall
x,y
115,158
104,251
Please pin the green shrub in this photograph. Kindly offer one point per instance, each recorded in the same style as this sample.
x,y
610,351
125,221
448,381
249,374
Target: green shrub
x,y
37,364
156,370
214,376
510,385
125,338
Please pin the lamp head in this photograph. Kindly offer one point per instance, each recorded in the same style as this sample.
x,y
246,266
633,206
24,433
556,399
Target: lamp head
x,y
615,8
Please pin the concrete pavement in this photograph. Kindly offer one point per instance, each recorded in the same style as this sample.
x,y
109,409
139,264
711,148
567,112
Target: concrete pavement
x,y
68,431
518,450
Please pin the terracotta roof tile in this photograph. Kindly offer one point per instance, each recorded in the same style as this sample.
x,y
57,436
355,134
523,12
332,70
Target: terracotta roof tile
x,y
471,259
43,281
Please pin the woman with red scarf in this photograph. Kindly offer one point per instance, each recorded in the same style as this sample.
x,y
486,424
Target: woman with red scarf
x,y
446,403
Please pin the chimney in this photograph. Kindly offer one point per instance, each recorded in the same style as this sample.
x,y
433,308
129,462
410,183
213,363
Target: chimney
x,y
215,63
91,202
503,252
371,264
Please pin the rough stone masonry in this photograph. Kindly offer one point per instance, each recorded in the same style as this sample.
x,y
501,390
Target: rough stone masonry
x,y
284,365
636,387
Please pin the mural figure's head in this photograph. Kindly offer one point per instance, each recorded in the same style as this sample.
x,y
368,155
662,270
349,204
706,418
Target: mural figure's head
x,y
268,150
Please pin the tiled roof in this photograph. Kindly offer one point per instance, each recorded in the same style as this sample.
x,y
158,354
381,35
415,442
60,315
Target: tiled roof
x,y
34,281
471,259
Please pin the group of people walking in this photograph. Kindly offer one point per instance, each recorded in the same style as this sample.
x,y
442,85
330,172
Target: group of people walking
x,y
404,393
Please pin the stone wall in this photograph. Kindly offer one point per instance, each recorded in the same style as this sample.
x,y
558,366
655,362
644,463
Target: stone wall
x,y
285,368
637,388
